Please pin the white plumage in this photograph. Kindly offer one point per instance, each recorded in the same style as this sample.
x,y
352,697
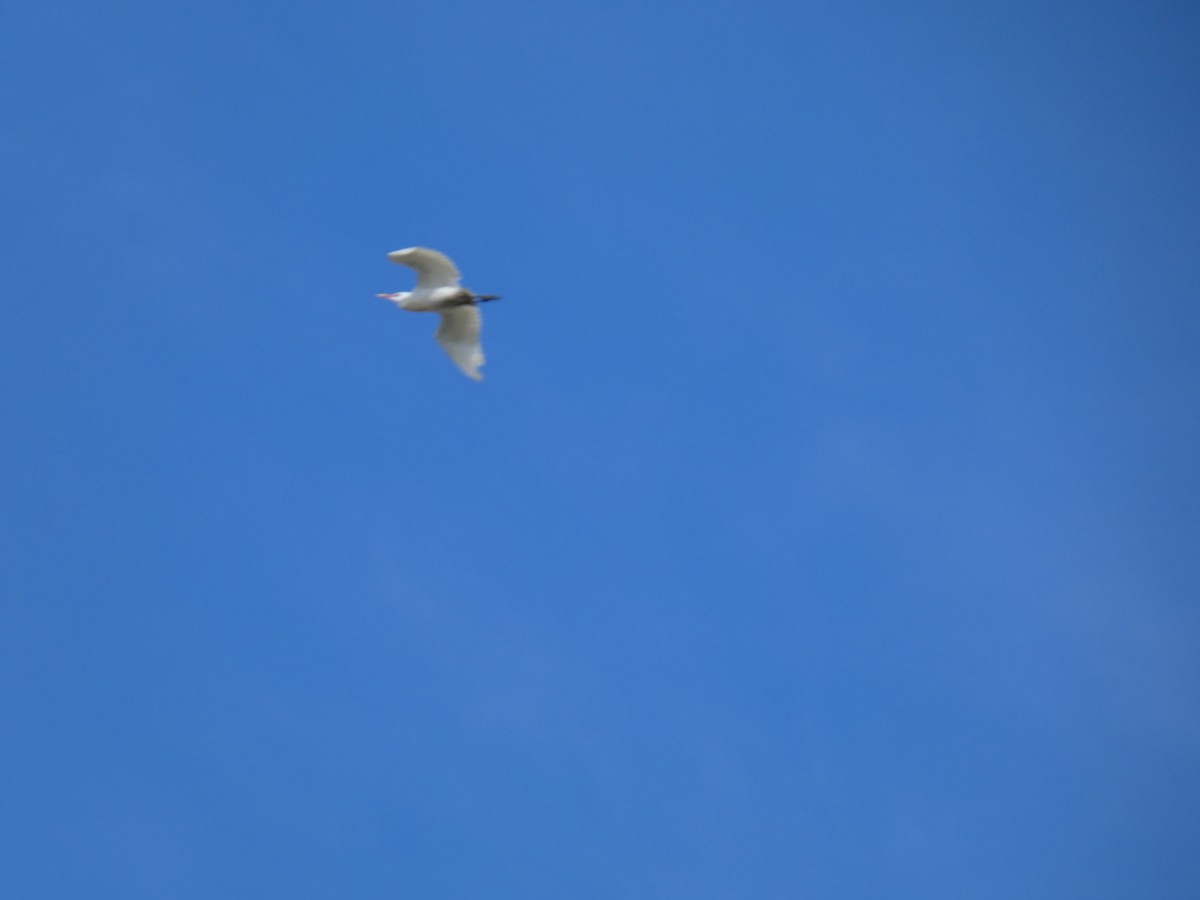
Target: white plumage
x,y
438,289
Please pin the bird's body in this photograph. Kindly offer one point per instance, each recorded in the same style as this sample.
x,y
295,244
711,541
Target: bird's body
x,y
438,289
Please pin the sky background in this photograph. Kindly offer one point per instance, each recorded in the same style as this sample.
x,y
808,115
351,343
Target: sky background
x,y
826,526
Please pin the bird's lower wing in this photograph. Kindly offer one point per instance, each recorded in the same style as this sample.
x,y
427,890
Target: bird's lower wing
x,y
459,336
434,269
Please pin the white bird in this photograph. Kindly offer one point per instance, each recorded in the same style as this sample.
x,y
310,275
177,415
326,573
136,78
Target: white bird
x,y
438,290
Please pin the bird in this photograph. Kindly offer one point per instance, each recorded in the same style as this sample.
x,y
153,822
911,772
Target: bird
x,y
439,290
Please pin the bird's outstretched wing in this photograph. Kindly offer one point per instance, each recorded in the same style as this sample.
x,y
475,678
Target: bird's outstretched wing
x,y
434,269
459,336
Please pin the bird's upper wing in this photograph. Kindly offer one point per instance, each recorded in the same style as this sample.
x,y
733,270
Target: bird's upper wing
x,y
459,336
434,270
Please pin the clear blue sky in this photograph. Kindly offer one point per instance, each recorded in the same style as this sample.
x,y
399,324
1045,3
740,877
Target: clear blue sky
x,y
826,526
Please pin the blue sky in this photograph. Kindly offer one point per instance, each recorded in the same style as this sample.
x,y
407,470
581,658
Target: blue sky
x,y
826,525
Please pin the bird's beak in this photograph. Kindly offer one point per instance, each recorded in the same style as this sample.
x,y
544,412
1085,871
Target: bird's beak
x,y
387,296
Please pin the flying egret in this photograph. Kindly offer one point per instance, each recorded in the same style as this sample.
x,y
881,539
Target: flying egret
x,y
438,290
